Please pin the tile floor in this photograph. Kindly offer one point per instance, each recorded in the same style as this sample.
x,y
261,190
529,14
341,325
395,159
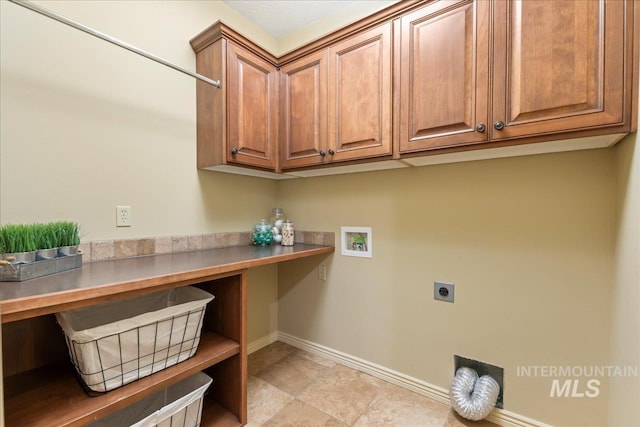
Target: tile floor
x,y
292,387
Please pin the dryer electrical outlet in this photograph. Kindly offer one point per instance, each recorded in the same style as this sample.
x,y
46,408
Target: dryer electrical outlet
x,y
443,291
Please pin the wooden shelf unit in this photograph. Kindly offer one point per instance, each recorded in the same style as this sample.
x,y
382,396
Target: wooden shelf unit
x,y
47,394
40,386
51,395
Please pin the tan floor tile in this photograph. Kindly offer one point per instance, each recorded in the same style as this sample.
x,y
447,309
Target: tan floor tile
x,y
264,401
343,393
311,368
395,406
267,356
317,359
292,373
297,414
331,394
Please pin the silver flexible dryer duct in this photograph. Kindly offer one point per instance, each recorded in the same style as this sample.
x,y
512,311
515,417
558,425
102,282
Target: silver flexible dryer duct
x,y
472,397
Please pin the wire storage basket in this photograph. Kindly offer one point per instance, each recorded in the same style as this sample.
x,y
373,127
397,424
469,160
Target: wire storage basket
x,y
115,343
179,405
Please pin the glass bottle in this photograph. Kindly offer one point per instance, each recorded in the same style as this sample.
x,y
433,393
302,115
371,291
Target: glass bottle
x,y
277,219
262,233
287,233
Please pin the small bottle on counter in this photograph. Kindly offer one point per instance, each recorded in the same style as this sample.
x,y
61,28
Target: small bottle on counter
x,y
262,234
287,233
277,219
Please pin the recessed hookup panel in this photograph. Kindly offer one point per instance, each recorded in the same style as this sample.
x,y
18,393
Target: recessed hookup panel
x,y
482,368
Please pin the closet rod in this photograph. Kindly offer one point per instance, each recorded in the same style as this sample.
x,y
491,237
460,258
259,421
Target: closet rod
x,y
107,38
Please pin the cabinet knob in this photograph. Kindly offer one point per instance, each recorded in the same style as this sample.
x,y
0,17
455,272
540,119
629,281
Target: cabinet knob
x,y
498,125
331,152
234,151
481,127
322,153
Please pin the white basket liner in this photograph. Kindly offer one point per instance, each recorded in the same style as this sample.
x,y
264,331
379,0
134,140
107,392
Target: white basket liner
x,y
163,415
109,338
179,401
94,322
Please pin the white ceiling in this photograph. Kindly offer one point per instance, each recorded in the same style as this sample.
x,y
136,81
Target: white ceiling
x,y
280,18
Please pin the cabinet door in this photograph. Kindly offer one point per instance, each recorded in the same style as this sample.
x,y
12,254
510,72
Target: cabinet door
x,y
558,66
252,109
303,91
360,96
443,78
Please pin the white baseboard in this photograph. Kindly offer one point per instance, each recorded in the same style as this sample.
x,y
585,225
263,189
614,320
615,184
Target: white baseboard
x,y
439,394
262,342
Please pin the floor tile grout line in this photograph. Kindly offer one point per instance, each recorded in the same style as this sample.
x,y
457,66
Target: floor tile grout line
x,y
314,380
368,406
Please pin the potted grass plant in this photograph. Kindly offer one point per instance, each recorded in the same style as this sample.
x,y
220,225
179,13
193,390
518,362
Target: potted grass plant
x,y
18,243
68,237
47,241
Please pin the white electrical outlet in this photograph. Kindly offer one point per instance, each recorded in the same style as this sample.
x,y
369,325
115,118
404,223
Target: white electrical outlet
x,y
123,216
322,272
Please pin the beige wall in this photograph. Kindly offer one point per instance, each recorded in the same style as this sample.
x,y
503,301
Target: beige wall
x,y
87,126
262,305
527,241
625,294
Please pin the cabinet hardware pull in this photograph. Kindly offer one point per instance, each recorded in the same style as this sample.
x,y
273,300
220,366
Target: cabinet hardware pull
x,y
331,152
234,151
481,127
499,125
322,153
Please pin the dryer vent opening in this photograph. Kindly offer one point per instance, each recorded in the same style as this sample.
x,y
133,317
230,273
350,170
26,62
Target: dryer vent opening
x,y
471,397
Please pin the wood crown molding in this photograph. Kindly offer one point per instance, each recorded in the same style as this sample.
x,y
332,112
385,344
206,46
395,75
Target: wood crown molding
x,y
220,30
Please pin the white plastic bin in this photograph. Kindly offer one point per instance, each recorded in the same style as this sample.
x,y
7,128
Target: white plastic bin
x,y
179,405
118,342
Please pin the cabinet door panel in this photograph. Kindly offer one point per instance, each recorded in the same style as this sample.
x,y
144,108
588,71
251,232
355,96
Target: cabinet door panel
x,y
304,110
444,75
360,95
559,65
252,109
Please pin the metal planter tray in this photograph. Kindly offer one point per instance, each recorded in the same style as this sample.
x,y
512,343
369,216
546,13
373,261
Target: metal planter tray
x,y
21,272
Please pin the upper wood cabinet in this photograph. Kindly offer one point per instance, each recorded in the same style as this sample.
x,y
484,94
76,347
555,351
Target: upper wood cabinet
x,y
238,122
336,102
303,95
421,78
561,66
360,84
252,96
444,76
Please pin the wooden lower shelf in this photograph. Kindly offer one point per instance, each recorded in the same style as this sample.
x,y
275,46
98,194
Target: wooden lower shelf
x,y
51,396
215,415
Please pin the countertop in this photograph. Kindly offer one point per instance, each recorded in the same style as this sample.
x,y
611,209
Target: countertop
x,y
113,279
